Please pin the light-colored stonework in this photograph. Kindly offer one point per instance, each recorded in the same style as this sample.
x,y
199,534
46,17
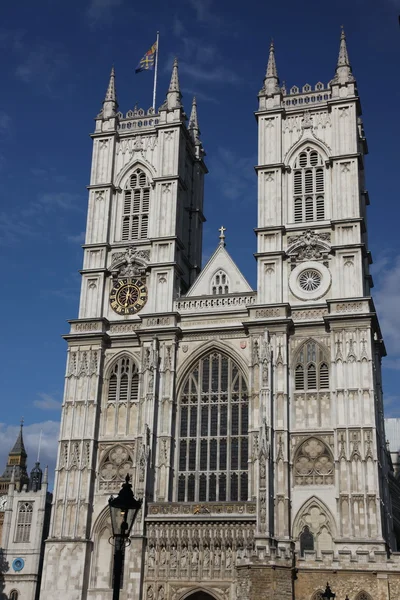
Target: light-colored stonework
x,y
251,422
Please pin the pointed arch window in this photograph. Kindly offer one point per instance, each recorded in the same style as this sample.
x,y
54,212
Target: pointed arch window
x,y
213,432
14,595
124,381
311,370
135,217
24,522
309,187
306,541
220,283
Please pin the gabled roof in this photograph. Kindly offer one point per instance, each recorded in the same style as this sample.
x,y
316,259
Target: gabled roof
x,y
220,260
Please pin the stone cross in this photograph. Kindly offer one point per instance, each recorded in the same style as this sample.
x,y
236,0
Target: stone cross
x,y
222,230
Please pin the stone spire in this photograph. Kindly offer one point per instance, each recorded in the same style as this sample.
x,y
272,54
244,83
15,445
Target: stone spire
x,y
271,81
174,95
343,69
194,123
110,104
19,447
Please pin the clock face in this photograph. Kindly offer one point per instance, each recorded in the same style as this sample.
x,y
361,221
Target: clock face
x,y
128,296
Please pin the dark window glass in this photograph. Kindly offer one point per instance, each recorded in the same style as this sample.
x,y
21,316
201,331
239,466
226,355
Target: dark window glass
x,y
204,420
203,455
234,486
203,487
234,454
243,486
235,419
213,455
191,484
213,487
222,455
193,421
222,488
214,420
182,455
192,455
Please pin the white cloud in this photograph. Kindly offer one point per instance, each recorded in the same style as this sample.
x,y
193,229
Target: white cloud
x,y
47,402
41,66
234,174
79,238
387,300
200,95
5,122
205,73
101,11
178,27
31,434
204,14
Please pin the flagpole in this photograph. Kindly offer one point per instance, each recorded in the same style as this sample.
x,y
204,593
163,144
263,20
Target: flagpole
x,y
155,73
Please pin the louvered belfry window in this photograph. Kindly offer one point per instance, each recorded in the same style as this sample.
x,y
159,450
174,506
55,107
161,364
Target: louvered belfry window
x,y
24,522
213,432
311,371
124,381
135,219
309,187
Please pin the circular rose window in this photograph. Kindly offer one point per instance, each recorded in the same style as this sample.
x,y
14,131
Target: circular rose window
x,y
310,280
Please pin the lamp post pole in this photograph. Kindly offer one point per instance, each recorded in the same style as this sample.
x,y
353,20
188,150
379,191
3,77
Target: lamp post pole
x,y
123,511
118,561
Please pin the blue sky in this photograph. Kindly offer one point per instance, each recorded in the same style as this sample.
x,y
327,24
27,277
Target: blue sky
x,y
56,58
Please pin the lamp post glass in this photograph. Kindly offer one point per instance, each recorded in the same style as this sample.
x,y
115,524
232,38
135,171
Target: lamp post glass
x,y
328,594
123,510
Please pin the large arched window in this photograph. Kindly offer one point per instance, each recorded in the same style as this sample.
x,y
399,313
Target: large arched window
x,y
136,205
13,595
124,381
308,187
213,432
311,370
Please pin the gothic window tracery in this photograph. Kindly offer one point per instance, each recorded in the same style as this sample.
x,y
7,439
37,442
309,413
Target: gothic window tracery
x,y
14,595
24,521
220,283
136,205
311,370
213,432
114,467
363,596
306,541
124,381
313,464
309,187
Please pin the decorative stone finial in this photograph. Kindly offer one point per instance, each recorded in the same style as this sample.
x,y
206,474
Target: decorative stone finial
x,y
271,81
194,123
222,230
174,91
343,69
110,104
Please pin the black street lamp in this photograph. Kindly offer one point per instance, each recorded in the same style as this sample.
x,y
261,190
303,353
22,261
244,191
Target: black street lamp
x,y
123,511
328,594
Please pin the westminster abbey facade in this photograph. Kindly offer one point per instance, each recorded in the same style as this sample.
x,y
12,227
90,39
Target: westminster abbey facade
x,y
250,421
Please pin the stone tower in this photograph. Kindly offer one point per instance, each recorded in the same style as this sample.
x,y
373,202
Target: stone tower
x,y
249,421
24,522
